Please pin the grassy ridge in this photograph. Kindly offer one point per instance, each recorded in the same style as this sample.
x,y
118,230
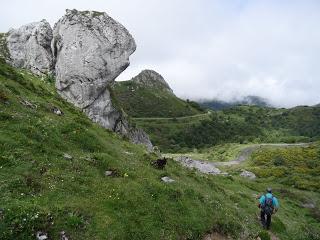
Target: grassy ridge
x,y
138,100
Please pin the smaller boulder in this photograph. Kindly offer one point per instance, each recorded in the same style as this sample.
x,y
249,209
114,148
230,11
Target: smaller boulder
x,y
108,173
167,180
248,174
63,236
57,111
67,156
41,236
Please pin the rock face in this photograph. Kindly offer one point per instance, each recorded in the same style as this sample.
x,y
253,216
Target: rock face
x,y
202,166
29,47
86,51
90,50
150,78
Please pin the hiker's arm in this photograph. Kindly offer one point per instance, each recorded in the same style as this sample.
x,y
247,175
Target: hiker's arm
x,y
275,204
261,201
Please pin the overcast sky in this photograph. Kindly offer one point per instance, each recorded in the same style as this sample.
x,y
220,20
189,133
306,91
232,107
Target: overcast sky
x,y
210,48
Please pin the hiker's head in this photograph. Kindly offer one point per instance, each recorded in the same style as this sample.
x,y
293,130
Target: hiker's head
x,y
269,190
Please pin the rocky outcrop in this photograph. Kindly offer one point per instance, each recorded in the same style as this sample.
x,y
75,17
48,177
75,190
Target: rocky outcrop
x,y
202,166
152,79
29,47
90,50
86,51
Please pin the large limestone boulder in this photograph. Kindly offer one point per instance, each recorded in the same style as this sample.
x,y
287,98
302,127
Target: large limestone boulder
x,y
29,47
90,50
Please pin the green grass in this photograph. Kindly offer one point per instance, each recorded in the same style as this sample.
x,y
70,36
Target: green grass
x,y
298,167
4,52
41,190
218,153
138,100
241,124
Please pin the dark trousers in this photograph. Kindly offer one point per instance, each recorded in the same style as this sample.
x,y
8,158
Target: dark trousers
x,y
265,219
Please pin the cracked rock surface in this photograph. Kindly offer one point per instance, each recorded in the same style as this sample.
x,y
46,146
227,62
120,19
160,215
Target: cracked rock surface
x,y
29,47
90,50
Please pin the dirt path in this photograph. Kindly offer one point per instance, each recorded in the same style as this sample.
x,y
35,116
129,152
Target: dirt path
x,y
212,167
170,118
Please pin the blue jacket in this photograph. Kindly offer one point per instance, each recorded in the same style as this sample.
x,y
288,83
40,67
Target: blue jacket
x,y
269,195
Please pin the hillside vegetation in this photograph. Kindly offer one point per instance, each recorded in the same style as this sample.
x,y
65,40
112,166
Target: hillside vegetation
x,y
248,100
241,124
149,96
52,175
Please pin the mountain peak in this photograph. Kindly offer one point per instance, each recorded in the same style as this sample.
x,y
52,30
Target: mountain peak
x,y
151,78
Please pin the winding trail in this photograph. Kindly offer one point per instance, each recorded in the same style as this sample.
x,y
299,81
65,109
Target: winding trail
x,y
212,167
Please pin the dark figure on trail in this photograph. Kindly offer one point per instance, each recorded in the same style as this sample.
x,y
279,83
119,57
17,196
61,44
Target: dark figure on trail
x,y
268,205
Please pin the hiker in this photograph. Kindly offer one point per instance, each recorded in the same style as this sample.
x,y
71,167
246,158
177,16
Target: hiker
x,y
268,205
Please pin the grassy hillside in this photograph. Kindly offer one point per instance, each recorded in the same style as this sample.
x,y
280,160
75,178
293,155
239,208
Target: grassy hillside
x,y
299,167
241,124
42,189
151,98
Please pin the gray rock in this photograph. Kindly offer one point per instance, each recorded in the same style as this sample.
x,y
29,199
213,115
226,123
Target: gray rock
x,y
67,156
57,111
108,173
248,174
41,236
167,180
90,50
63,236
202,166
138,136
29,47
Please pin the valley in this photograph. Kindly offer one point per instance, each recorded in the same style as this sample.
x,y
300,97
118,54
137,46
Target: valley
x,y
85,157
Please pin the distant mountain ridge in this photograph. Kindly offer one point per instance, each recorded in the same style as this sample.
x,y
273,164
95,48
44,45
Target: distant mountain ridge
x,y
149,95
152,79
216,104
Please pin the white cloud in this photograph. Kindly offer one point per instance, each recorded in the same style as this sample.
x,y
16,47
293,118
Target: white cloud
x,y
210,48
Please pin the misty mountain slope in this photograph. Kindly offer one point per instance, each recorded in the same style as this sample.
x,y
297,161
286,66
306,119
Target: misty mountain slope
x,y
240,124
148,95
219,105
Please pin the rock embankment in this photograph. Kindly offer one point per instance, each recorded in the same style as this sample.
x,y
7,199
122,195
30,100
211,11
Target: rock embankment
x,y
202,166
30,47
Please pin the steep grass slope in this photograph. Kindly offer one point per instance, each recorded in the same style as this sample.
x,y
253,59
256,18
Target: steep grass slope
x,y
43,189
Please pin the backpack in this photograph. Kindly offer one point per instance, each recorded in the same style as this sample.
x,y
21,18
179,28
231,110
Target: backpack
x,y
268,205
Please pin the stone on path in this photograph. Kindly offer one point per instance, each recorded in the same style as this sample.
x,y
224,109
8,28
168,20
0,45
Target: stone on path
x,y
167,180
67,156
41,236
247,174
202,166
